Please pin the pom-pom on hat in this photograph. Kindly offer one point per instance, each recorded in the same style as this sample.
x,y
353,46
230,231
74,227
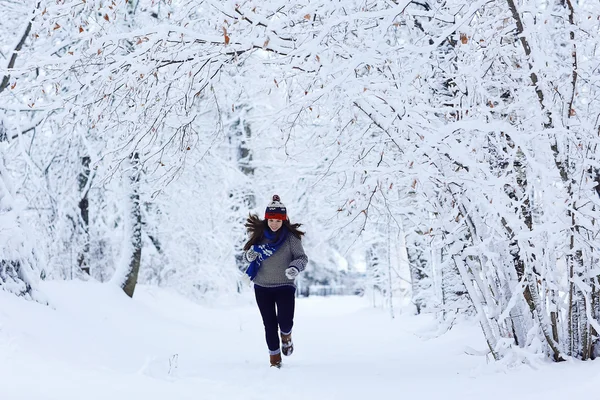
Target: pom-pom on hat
x,y
276,209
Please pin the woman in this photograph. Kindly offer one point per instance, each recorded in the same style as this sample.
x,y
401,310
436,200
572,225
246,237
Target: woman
x,y
276,256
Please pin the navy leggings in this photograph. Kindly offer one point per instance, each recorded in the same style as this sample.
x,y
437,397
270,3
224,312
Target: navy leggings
x,y
276,306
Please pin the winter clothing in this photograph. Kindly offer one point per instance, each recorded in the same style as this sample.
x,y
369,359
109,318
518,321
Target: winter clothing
x,y
292,272
272,271
276,209
275,360
259,253
287,346
282,318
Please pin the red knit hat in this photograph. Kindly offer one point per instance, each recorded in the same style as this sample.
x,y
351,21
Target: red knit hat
x,y
276,210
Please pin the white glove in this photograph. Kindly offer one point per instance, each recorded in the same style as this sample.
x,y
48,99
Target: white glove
x,y
251,254
292,272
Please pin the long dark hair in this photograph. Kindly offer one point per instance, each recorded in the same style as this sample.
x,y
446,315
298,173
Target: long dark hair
x,y
256,228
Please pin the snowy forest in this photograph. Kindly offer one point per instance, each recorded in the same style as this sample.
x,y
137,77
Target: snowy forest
x,y
442,152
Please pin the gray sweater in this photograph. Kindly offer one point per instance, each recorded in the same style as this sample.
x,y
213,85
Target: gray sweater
x,y
272,270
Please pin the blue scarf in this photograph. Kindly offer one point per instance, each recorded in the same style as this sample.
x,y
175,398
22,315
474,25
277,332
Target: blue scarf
x,y
265,251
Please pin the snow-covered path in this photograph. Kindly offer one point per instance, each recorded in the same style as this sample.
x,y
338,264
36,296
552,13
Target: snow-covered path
x,y
98,344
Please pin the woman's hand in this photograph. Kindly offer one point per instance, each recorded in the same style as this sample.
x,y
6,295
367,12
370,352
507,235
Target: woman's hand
x,y
291,272
251,254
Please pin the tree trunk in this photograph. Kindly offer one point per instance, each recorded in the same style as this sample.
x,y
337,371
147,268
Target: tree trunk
x,y
454,293
240,135
83,258
418,263
420,280
16,263
135,218
478,302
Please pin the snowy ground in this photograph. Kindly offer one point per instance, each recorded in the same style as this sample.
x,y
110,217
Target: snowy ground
x,y
95,343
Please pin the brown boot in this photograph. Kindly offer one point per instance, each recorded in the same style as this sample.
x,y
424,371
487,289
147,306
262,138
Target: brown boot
x,y
287,346
275,360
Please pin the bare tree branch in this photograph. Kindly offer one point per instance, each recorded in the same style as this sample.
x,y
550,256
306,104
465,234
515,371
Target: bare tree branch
x,y
15,54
